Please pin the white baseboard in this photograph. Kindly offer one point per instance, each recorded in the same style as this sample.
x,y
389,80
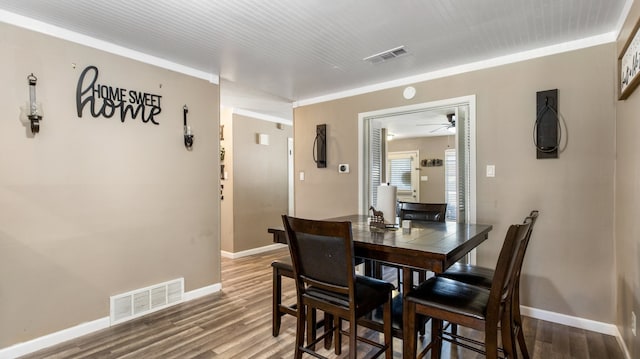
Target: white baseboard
x,y
581,323
249,252
48,340
576,322
201,292
79,330
102,323
623,345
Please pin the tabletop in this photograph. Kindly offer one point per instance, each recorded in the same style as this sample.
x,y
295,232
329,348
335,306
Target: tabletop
x,y
429,245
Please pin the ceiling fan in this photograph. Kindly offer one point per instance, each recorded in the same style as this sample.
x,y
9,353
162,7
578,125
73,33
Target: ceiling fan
x,y
450,126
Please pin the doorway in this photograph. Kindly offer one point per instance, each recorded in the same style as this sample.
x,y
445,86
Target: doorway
x,y
404,174
464,110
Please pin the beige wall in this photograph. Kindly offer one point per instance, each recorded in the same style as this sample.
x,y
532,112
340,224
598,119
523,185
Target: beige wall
x,y
432,190
260,183
92,207
627,198
569,264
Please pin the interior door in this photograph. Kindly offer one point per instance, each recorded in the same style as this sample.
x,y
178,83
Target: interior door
x,y
403,171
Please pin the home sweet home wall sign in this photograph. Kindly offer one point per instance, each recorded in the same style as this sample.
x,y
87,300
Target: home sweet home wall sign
x,y
629,64
108,101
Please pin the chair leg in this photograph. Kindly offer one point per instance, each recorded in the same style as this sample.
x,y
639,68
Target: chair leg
x,y
454,329
377,270
436,338
388,330
338,335
422,276
491,342
311,326
409,344
522,343
507,333
353,336
517,322
277,300
329,324
300,324
368,268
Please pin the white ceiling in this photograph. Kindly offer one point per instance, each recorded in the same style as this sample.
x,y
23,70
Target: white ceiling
x,y
422,123
269,54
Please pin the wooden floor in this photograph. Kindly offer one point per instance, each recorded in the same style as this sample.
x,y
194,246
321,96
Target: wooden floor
x,y
236,323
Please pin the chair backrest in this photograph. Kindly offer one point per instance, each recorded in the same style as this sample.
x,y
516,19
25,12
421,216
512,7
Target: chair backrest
x,y
531,219
503,284
321,254
430,212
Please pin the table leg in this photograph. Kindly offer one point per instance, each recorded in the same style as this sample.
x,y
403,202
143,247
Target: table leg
x,y
407,280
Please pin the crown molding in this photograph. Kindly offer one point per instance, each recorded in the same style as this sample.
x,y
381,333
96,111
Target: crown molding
x,y
474,66
64,34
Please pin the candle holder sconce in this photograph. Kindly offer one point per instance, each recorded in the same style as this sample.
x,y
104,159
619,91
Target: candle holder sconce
x,y
188,136
35,110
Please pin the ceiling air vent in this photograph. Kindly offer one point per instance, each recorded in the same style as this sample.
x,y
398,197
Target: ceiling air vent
x,y
386,55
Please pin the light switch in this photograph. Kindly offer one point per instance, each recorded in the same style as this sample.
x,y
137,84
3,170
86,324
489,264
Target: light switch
x,y
491,170
424,178
301,176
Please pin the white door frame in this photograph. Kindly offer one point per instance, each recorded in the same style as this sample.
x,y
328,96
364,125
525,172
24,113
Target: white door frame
x,y
291,208
452,102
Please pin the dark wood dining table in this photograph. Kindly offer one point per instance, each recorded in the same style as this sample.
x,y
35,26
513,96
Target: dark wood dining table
x,y
433,246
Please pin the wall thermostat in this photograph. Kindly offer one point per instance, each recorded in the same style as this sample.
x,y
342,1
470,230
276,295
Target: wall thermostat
x,y
343,168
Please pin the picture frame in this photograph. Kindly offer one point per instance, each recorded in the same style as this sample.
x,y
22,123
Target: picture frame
x,y
629,64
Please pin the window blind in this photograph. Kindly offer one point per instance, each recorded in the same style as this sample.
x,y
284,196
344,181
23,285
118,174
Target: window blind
x,y
400,172
450,169
375,164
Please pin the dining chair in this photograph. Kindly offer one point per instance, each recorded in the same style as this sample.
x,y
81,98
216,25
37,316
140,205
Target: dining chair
x,y
281,268
429,212
444,299
483,277
324,271
284,268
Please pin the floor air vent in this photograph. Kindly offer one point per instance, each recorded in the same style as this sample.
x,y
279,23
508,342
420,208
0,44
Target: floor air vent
x,y
143,301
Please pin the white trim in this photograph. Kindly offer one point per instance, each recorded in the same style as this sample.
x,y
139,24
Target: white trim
x,y
576,322
55,31
474,66
290,177
79,330
201,292
457,101
102,323
262,116
250,252
582,323
54,338
622,345
473,200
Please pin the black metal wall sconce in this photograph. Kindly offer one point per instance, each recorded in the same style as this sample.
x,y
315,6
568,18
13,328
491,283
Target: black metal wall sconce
x,y
320,146
547,131
188,136
35,114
